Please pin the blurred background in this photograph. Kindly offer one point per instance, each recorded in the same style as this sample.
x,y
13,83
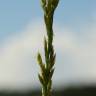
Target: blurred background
x,y
21,36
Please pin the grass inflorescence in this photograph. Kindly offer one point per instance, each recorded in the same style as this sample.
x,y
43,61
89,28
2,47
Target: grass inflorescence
x,y
47,66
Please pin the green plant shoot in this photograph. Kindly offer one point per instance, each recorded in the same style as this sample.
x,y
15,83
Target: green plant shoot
x,y
47,66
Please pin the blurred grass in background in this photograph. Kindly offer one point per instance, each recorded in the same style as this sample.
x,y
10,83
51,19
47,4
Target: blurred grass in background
x,y
70,91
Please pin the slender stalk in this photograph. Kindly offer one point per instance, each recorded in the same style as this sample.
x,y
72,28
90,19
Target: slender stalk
x,y
47,68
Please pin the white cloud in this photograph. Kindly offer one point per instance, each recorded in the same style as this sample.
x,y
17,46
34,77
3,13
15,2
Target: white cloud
x,y
82,58
18,57
75,56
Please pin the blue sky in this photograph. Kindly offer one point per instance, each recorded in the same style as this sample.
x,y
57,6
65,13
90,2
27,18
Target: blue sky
x,y
21,32
16,14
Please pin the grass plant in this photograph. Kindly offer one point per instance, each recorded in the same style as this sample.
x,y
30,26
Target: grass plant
x,y
47,66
